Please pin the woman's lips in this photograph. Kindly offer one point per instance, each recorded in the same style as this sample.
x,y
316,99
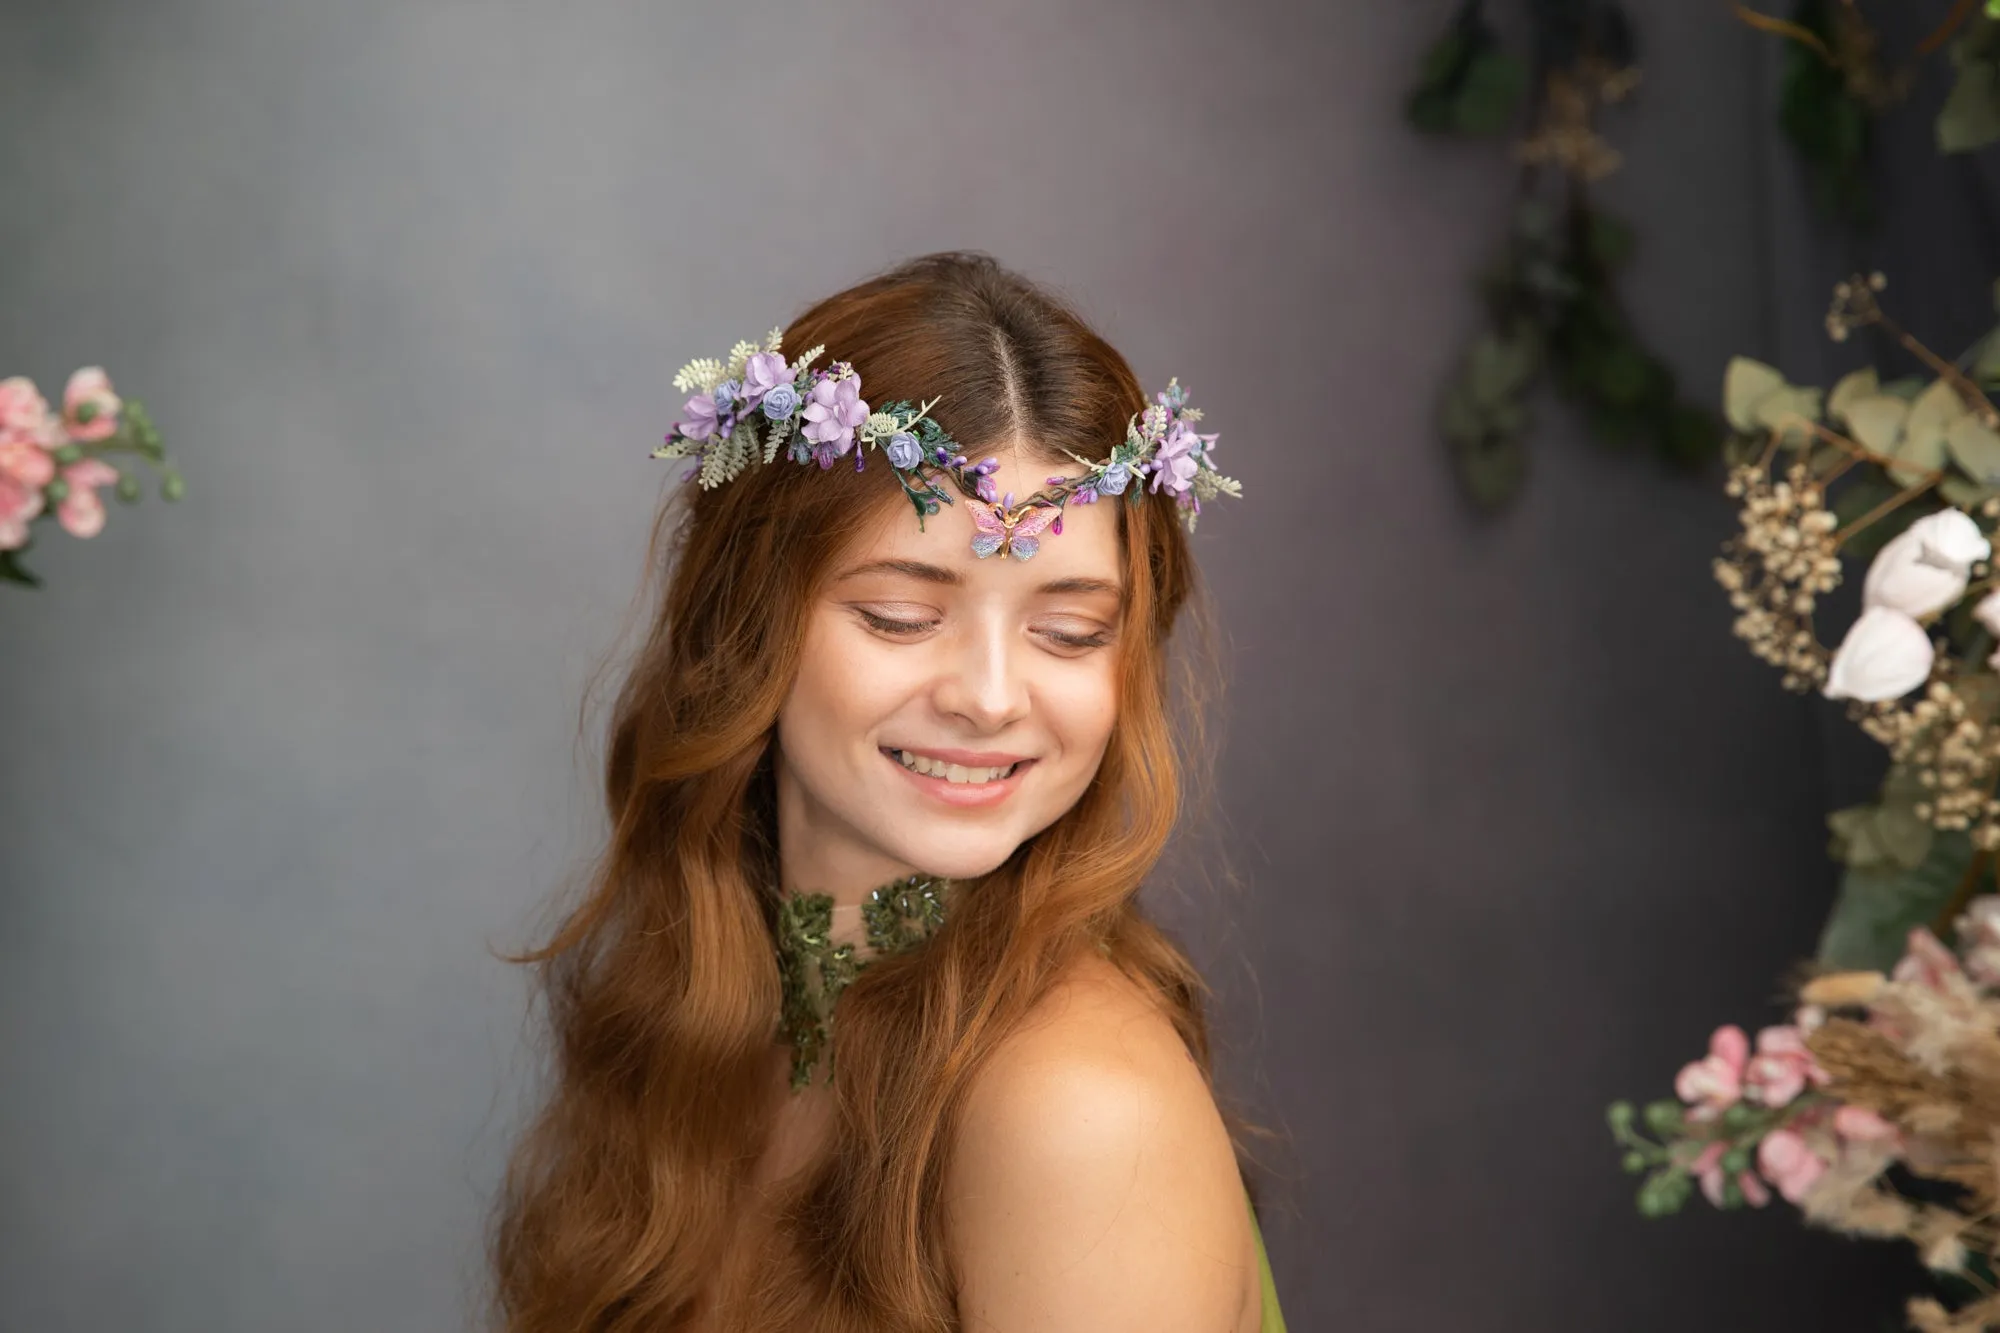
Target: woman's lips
x,y
963,795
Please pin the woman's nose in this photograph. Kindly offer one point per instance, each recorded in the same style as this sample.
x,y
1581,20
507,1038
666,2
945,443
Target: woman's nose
x,y
983,680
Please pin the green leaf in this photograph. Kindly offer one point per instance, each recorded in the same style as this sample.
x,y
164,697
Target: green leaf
x,y
1490,93
1787,410
1492,471
1976,447
1499,366
1964,492
13,571
1746,384
1691,436
1861,384
1876,421
1665,1192
1611,241
1878,905
1624,374
1970,118
1863,494
1930,420
1665,1118
1986,360
1460,418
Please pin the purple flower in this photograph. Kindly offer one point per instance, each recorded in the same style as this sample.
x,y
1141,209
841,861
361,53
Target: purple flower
x,y
987,490
903,451
780,401
833,409
700,418
1177,459
763,372
1114,479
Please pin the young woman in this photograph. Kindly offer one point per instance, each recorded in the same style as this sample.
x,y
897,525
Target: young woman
x,y
898,749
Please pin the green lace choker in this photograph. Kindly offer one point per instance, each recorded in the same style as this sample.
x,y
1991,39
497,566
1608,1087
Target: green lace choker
x,y
814,970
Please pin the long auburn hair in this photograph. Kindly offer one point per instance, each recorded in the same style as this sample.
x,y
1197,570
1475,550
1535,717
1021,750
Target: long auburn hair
x,y
661,982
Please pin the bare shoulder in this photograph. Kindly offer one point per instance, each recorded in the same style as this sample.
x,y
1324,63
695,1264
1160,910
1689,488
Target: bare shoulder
x,y
1092,1184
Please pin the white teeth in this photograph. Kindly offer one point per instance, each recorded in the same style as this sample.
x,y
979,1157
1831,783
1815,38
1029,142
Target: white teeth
x,y
933,768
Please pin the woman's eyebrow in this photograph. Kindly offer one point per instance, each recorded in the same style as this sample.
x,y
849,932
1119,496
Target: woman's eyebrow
x,y
916,569
1081,584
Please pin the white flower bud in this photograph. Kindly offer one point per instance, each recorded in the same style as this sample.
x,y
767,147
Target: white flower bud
x,y
1884,656
1910,575
1987,612
1952,536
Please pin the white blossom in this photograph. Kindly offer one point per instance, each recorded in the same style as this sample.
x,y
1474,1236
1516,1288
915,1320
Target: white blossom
x,y
1924,568
1884,656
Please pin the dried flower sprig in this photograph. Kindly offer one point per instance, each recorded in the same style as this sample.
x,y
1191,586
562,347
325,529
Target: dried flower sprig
x,y
1874,1071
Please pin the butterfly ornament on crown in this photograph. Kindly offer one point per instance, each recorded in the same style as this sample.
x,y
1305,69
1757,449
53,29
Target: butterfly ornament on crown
x,y
742,412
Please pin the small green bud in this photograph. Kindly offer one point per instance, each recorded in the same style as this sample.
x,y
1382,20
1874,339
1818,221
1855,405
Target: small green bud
x,y
1635,1162
1738,1117
128,488
69,453
1619,1116
85,413
1735,1160
173,488
1665,1118
57,491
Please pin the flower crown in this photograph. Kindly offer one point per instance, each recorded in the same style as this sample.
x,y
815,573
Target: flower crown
x,y
746,410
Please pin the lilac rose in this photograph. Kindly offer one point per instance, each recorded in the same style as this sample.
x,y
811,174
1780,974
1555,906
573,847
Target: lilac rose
x,y
780,401
903,450
763,372
1114,479
833,409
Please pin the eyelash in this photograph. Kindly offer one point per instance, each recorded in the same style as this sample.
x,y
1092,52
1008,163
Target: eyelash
x,y
889,626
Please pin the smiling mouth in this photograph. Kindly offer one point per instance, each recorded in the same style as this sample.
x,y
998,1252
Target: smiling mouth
x,y
956,774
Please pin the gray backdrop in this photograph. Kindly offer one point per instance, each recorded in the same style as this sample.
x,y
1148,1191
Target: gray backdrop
x,y
1516,822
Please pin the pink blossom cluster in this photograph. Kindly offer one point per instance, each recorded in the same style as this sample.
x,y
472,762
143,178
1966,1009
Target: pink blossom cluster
x,y
36,447
1793,1156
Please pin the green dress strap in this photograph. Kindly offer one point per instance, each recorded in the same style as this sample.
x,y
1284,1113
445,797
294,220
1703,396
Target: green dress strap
x,y
1274,1319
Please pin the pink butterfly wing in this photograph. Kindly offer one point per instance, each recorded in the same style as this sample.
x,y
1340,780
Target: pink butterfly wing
x,y
986,517
1035,521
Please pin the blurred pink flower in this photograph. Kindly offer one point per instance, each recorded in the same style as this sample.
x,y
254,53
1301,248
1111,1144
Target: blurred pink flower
x,y
1708,1168
1979,939
81,512
18,504
1781,1068
1928,963
1712,1085
25,463
90,408
24,413
1858,1124
1788,1162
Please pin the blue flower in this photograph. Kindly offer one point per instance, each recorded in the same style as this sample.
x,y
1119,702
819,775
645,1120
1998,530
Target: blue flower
x,y
780,401
725,394
1114,479
903,450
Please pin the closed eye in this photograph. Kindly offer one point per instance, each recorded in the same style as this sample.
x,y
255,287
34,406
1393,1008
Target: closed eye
x,y
1093,640
890,625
